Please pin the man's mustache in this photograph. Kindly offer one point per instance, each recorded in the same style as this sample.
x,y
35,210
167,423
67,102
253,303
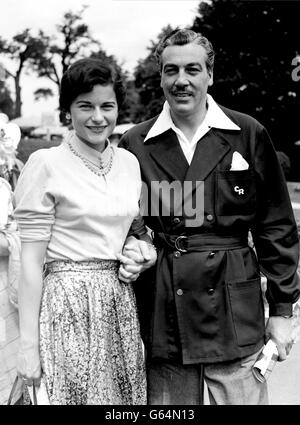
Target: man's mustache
x,y
180,92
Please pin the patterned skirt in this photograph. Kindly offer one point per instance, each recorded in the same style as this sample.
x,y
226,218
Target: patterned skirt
x,y
90,345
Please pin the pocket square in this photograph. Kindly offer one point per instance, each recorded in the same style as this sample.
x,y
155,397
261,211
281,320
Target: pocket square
x,y
238,162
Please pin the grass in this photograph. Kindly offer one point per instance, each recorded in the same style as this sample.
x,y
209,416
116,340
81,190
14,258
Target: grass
x,y
27,146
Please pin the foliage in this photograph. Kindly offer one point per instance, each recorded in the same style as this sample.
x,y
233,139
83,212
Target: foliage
x,y
71,43
50,56
43,93
147,83
255,43
6,102
24,48
29,145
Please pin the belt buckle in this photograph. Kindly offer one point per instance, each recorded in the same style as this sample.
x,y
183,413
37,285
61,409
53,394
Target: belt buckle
x,y
177,243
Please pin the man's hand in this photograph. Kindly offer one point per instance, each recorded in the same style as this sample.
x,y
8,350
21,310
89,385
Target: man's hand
x,y
136,257
279,329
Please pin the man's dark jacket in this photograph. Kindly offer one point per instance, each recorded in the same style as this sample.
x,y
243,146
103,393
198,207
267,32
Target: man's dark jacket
x,y
206,305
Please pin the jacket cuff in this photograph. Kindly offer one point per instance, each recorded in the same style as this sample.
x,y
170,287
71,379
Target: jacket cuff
x,y
281,309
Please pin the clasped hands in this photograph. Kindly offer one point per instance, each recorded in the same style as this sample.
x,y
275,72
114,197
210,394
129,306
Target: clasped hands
x,y
136,257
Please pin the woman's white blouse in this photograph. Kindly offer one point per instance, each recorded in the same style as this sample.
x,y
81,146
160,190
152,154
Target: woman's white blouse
x,y
81,215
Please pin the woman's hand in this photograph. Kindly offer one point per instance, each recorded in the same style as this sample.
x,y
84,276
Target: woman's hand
x,y
137,256
29,365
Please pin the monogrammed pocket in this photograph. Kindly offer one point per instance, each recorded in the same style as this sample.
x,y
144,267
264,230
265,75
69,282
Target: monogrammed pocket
x,y
235,192
245,299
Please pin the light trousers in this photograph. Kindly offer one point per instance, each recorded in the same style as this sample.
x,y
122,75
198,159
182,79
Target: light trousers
x,y
228,383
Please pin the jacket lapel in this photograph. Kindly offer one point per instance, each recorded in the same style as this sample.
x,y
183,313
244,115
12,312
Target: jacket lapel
x,y
209,152
165,150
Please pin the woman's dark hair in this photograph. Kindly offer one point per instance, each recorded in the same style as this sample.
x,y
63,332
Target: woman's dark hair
x,y
83,75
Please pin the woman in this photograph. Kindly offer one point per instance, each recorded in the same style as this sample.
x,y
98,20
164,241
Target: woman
x,y
75,205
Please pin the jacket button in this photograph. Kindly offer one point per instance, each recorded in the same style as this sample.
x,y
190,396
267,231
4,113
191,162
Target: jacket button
x,y
177,254
209,217
210,291
176,220
179,292
211,254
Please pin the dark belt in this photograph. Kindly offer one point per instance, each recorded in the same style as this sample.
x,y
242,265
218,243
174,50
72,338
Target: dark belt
x,y
199,242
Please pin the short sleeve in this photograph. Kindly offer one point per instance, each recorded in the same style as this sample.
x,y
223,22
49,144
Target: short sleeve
x,y
34,202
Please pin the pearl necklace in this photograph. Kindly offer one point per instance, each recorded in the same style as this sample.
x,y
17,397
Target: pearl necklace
x,y
104,169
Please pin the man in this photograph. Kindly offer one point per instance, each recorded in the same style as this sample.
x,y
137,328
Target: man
x,y
202,312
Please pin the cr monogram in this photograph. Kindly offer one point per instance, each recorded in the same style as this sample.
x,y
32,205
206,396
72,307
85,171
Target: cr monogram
x,y
238,190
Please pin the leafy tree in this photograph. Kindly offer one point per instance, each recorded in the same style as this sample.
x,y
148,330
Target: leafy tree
x,y
255,43
43,93
147,83
71,43
6,103
24,48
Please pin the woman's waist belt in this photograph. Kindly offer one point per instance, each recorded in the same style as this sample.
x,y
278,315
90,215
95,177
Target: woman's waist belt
x,y
199,242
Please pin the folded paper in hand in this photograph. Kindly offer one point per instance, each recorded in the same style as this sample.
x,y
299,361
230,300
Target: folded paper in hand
x,y
238,162
41,394
265,361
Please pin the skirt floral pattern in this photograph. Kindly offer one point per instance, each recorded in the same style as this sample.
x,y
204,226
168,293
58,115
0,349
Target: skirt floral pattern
x,y
90,344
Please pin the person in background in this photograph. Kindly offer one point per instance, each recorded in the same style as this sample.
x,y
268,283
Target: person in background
x,y
9,265
201,307
75,204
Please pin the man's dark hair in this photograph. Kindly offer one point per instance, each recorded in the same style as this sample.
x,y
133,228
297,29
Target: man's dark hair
x,y
180,37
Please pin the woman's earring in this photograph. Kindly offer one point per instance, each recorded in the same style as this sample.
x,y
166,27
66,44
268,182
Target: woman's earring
x,y
68,116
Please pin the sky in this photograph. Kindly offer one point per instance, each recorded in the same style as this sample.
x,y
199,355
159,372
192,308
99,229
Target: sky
x,y
124,28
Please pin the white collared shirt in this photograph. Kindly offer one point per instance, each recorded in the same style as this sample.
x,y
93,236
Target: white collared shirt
x,y
214,117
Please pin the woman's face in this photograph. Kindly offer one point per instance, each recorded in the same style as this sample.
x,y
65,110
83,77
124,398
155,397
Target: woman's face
x,y
94,115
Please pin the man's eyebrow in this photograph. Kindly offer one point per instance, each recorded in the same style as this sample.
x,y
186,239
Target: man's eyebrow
x,y
188,64
194,64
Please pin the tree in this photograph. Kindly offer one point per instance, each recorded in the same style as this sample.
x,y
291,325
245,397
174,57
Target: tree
x,y
147,83
72,41
43,93
255,43
6,102
24,48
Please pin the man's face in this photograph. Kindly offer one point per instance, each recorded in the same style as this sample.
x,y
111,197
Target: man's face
x,y
185,79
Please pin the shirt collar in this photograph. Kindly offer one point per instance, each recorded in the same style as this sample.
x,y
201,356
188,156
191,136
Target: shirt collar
x,y
89,153
215,117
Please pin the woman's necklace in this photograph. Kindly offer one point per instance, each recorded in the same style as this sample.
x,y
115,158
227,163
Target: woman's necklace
x,y
103,168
